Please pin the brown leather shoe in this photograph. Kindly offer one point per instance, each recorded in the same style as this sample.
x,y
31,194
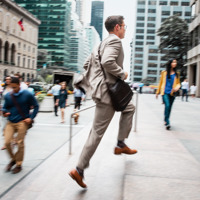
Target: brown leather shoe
x,y
125,150
17,169
77,177
10,165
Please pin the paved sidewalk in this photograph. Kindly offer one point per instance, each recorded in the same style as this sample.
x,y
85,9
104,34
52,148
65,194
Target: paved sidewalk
x,y
166,167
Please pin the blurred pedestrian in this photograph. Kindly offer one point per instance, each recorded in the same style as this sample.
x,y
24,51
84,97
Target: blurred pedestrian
x,y
185,88
111,53
7,88
78,96
135,86
30,89
169,84
55,91
17,108
193,89
62,101
23,85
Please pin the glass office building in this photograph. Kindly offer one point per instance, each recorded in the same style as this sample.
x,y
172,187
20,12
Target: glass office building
x,y
54,31
146,61
97,16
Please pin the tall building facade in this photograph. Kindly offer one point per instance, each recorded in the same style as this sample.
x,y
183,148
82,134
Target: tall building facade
x,y
97,16
194,52
18,49
146,61
93,37
54,31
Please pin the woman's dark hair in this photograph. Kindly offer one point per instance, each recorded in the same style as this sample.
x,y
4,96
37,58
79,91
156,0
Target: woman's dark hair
x,y
168,68
112,21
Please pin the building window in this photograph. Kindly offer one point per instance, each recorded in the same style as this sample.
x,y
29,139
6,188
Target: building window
x,y
138,55
138,73
139,43
153,51
151,19
151,10
165,12
163,3
18,60
24,62
24,47
29,63
19,45
187,13
140,18
153,72
150,43
140,25
153,65
151,25
138,61
185,4
140,37
179,13
150,37
138,67
153,58
174,3
139,30
139,10
150,31
33,64
141,2
152,2
138,49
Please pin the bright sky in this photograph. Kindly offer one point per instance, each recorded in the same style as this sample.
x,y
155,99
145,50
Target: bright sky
x,y
127,8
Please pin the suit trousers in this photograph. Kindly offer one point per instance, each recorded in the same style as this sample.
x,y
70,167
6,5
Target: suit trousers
x,y
103,115
11,128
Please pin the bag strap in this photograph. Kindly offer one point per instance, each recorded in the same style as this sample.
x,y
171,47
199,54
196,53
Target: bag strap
x,y
99,56
17,106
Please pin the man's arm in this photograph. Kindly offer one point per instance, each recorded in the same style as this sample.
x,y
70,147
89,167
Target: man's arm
x,y
109,57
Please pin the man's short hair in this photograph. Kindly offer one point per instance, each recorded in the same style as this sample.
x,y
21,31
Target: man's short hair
x,y
57,81
112,21
18,75
15,80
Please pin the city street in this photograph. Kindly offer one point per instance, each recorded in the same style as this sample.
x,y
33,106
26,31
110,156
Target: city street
x,y
167,165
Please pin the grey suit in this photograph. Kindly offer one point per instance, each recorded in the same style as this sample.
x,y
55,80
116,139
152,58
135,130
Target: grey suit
x,y
112,56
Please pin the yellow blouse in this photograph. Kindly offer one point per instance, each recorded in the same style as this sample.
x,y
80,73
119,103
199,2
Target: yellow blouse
x,y
162,83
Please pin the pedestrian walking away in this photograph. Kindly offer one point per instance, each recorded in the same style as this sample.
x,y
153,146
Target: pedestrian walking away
x,y
17,108
185,89
112,56
78,97
55,91
62,101
193,89
7,88
168,86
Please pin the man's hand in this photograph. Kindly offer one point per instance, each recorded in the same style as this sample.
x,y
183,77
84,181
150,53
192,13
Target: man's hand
x,y
6,114
27,120
126,75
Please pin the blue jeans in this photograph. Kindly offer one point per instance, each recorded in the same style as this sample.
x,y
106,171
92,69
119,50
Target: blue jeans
x,y
168,101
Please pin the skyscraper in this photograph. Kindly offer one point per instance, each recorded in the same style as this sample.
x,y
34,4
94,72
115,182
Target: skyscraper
x,y
146,61
54,31
97,16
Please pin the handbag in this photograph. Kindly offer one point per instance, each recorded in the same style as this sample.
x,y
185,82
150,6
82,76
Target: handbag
x,y
120,92
30,125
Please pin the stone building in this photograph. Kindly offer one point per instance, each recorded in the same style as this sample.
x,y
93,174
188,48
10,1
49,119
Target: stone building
x,y
18,49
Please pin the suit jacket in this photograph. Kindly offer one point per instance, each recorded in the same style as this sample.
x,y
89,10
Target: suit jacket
x,y
162,83
93,80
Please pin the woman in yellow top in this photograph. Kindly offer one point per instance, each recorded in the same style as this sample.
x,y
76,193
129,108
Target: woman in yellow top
x,y
168,85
